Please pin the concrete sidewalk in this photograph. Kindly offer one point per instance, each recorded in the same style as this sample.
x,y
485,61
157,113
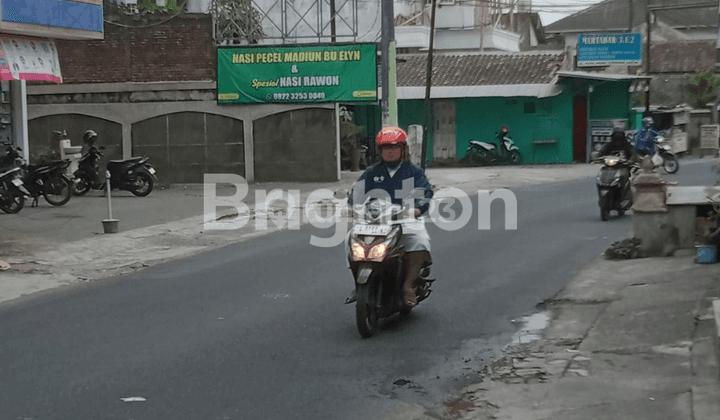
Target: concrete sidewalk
x,y
630,339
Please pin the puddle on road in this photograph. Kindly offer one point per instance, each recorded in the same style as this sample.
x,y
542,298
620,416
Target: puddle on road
x,y
532,328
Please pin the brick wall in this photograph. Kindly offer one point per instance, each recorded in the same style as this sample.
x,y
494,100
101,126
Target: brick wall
x,y
180,49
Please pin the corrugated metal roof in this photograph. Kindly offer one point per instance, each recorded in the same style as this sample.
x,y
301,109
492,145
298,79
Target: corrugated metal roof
x,y
613,15
600,76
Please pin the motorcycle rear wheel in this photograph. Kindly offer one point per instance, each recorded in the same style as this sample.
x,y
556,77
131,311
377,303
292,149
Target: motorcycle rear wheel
x,y
366,313
671,164
12,202
476,160
57,191
143,184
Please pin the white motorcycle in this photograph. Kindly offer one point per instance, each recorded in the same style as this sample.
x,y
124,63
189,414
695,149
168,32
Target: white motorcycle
x,y
481,153
663,156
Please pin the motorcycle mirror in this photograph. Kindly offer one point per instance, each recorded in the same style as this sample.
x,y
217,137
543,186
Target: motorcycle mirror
x,y
340,194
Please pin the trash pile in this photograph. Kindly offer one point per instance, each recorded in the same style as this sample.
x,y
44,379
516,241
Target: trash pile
x,y
624,250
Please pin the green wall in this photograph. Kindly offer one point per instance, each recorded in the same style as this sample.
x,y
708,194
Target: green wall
x,y
528,119
611,100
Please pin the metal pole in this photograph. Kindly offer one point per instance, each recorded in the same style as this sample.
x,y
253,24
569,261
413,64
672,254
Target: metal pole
x,y
107,175
332,20
647,60
386,32
428,84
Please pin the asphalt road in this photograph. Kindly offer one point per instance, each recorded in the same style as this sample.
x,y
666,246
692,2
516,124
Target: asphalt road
x,y
258,330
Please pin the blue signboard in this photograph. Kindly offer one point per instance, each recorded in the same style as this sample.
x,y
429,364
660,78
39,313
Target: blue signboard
x,y
604,49
79,19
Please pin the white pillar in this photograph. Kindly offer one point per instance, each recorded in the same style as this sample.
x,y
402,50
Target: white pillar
x,y
18,94
249,153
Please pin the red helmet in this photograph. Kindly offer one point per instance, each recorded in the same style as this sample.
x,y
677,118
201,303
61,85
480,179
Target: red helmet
x,y
391,136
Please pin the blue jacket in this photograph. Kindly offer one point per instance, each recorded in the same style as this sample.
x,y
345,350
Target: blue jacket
x,y
378,177
645,140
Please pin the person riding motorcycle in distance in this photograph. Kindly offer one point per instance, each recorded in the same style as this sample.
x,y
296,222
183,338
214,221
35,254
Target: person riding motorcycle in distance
x,y
645,139
388,175
619,145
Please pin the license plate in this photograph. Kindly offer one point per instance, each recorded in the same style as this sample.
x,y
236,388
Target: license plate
x,y
151,170
373,230
17,182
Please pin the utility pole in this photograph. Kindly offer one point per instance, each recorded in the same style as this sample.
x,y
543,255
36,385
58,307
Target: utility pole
x,y
429,123
647,59
630,16
332,21
388,36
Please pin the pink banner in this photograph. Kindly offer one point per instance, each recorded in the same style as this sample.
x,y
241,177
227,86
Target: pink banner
x,y
26,59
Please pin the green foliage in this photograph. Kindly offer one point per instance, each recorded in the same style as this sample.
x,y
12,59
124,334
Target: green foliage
x,y
150,6
702,89
232,26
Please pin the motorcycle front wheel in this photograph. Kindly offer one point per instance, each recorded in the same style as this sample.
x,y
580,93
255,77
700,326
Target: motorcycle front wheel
x,y
143,184
81,187
604,209
671,164
57,191
516,158
366,312
12,201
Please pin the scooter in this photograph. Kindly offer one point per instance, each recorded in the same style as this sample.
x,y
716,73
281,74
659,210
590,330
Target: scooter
x,y
47,179
378,263
480,153
135,174
613,185
12,198
663,156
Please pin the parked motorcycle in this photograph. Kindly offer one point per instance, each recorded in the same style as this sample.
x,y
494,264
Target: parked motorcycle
x,y
378,263
47,179
135,174
12,198
613,184
480,153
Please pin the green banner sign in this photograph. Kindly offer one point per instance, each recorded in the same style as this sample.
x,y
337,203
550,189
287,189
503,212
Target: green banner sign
x,y
297,74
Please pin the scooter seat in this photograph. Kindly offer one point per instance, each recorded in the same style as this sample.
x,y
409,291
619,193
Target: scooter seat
x,y
120,162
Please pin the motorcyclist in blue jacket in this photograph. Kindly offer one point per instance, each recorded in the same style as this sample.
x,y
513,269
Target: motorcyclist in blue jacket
x,y
645,138
407,185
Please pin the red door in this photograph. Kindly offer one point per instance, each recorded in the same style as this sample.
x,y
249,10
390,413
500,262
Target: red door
x,y
580,124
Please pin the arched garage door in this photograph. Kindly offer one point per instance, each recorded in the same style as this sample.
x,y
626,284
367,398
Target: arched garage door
x,y
296,146
186,145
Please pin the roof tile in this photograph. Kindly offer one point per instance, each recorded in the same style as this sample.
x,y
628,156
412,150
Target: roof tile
x,y
480,69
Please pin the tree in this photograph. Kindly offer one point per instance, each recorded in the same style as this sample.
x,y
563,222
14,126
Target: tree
x,y
702,89
236,22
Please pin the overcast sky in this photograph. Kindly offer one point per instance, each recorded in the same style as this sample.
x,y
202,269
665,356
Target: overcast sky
x,y
554,10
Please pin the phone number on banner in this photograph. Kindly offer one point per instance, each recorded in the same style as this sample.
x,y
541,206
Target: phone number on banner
x,y
298,96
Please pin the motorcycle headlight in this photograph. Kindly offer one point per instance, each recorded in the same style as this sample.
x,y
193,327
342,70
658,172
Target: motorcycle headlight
x,y
377,253
358,252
